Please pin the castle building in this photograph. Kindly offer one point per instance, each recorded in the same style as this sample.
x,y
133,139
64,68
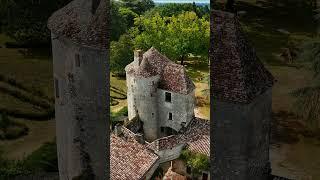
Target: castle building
x,y
160,93
242,103
80,50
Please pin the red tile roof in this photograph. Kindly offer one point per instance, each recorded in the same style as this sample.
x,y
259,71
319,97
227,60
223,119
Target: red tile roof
x,y
237,74
196,137
173,77
66,22
128,158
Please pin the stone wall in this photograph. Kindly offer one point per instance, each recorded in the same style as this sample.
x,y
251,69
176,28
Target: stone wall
x,y
81,109
241,137
142,102
181,107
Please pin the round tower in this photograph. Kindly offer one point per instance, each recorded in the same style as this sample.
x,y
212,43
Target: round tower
x,y
80,50
142,82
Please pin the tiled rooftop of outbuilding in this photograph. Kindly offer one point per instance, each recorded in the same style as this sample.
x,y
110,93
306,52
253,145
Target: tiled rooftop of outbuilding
x,y
128,158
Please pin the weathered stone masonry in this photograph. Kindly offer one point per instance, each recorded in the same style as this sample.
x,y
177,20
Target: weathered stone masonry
x,y
80,71
242,92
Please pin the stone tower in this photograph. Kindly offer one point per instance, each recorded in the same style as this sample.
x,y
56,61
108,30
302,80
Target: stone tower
x,y
242,105
160,93
79,46
142,97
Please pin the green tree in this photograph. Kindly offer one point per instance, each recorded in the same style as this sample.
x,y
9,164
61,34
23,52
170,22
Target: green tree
x,y
308,98
176,36
198,162
121,54
26,21
138,6
178,8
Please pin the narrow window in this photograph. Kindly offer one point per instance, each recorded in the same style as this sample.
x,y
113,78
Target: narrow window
x,y
170,116
56,85
168,97
162,129
152,114
188,169
77,60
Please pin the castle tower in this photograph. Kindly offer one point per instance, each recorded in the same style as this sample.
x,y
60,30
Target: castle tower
x,y
142,82
242,105
79,46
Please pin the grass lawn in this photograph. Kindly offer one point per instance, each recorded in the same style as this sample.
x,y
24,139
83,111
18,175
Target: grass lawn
x,y
33,72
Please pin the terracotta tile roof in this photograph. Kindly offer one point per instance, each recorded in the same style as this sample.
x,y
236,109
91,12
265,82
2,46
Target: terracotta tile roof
x,y
237,74
197,136
128,158
167,142
93,32
173,77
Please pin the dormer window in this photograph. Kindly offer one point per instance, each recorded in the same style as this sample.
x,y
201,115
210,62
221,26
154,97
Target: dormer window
x,y
168,97
77,60
170,116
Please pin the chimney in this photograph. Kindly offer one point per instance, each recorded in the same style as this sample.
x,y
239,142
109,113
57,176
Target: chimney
x,y
118,130
138,55
94,6
140,138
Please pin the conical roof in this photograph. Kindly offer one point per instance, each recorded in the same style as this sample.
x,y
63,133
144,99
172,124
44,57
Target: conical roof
x,y
173,77
82,21
237,74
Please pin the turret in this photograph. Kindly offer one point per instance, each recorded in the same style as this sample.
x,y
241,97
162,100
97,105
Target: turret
x,y
79,48
242,103
142,82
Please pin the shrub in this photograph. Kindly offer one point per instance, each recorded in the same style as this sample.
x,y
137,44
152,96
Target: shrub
x,y
43,159
198,162
11,129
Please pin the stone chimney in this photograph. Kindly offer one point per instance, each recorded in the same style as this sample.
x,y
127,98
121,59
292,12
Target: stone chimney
x,y
140,138
138,55
94,6
118,130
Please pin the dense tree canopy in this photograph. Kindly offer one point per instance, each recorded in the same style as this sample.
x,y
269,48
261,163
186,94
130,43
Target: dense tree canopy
x,y
176,36
175,9
26,21
121,54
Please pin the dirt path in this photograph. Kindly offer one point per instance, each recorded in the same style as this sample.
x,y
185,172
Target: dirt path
x,y
39,133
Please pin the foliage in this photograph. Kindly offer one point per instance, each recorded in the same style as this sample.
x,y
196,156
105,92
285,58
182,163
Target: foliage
x,y
307,103
175,36
174,9
311,53
121,53
123,14
198,162
116,115
138,6
10,129
26,21
43,159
